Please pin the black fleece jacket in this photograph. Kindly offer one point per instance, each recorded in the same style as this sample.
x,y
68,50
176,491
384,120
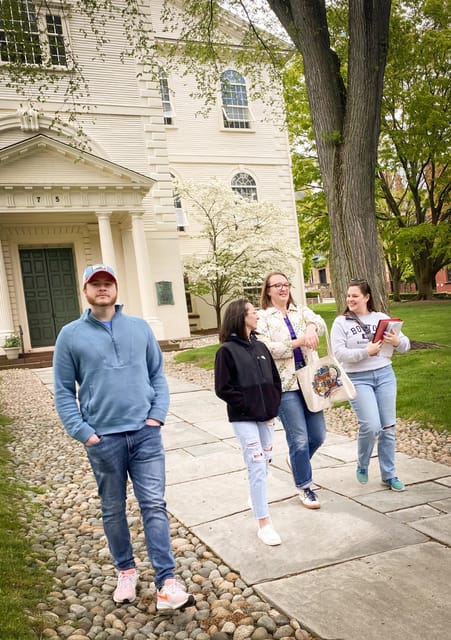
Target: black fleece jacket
x,y
247,379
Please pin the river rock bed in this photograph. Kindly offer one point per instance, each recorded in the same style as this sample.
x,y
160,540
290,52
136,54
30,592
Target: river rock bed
x,y
67,540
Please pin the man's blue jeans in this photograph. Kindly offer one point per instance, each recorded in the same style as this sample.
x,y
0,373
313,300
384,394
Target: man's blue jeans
x,y
305,432
139,455
255,439
375,408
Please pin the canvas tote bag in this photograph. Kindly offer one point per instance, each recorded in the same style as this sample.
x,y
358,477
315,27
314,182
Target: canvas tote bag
x,y
323,381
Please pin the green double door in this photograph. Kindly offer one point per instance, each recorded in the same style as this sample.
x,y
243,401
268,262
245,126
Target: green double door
x,y
51,292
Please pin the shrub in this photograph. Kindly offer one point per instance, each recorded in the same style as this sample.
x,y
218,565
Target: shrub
x,y
13,340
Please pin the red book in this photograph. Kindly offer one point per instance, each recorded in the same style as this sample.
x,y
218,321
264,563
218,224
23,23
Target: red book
x,y
386,325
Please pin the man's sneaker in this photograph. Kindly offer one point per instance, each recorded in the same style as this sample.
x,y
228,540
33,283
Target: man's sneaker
x,y
126,586
268,535
394,484
173,596
362,475
309,499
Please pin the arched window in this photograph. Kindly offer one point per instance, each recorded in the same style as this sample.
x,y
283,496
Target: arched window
x,y
168,111
235,108
244,184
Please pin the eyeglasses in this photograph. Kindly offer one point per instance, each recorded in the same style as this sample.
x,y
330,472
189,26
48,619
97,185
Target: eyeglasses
x,y
280,285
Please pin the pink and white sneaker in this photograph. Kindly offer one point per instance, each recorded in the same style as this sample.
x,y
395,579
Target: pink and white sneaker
x,y
126,586
173,596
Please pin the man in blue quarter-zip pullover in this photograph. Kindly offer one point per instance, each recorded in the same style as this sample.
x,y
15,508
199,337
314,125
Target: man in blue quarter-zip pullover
x,y
123,399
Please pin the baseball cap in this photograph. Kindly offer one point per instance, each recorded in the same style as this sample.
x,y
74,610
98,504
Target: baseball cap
x,y
97,269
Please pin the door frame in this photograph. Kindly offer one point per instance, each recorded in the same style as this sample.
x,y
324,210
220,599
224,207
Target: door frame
x,y
45,249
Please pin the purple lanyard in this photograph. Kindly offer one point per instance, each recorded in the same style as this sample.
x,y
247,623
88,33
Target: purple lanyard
x,y
299,361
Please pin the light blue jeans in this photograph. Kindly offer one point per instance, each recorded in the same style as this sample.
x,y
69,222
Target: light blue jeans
x,y
255,439
139,455
305,432
375,408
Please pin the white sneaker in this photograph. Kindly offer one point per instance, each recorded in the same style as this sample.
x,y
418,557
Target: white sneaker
x,y
126,586
173,596
268,535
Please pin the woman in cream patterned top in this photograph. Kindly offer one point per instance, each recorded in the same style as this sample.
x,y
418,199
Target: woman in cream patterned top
x,y
288,330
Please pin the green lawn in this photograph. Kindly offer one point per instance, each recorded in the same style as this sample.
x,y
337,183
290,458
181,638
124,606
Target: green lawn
x,y
423,374
23,580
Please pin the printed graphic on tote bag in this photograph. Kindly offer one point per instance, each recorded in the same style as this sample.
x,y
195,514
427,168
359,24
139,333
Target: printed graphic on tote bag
x,y
326,380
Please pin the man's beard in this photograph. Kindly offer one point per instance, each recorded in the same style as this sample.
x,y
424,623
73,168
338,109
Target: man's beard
x,y
93,301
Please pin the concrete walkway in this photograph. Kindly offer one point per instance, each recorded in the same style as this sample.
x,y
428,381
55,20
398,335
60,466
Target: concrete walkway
x,y
370,564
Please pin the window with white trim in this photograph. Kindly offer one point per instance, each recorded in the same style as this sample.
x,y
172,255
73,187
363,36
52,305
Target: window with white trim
x,y
168,111
31,35
179,213
235,108
244,184
252,291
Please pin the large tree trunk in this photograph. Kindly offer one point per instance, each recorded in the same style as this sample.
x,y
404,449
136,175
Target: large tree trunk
x,y
346,129
425,277
396,283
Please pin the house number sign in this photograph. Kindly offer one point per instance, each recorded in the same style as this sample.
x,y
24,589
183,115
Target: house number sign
x,y
46,198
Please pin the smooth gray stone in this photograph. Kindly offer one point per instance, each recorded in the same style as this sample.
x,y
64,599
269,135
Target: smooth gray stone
x,y
398,595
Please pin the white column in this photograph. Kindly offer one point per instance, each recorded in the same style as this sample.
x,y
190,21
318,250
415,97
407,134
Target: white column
x,y
6,317
106,239
145,284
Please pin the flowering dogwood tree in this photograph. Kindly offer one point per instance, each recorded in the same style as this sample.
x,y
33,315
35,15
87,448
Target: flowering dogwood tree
x,y
241,240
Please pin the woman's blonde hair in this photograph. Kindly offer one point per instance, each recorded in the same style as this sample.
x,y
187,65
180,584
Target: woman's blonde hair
x,y
265,300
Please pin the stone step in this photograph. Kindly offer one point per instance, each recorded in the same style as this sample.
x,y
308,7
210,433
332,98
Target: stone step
x,y
36,360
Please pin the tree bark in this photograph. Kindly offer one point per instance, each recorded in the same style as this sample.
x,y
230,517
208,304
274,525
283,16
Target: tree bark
x,y
346,126
424,276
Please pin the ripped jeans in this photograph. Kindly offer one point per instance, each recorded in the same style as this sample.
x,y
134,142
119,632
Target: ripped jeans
x,y
255,439
375,408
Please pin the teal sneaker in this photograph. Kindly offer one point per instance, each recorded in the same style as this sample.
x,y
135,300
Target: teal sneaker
x,y
362,475
394,484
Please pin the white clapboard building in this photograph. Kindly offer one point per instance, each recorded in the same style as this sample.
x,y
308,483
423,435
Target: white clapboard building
x,y
62,208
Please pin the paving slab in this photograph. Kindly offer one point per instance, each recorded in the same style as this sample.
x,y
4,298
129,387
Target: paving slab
x,y
446,481
196,406
414,513
46,376
438,528
180,386
220,428
182,466
178,435
336,438
412,470
217,496
223,447
342,480
401,594
338,532
423,493
345,451
442,505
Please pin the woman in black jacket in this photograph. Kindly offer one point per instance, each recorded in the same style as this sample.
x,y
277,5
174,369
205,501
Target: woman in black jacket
x,y
247,379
